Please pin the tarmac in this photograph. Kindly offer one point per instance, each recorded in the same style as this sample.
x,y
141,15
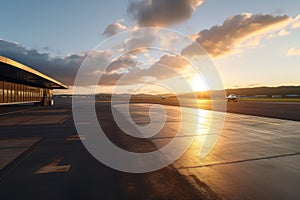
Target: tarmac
x,y
43,157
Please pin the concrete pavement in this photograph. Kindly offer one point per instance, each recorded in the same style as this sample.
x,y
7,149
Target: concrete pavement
x,y
59,166
11,149
255,158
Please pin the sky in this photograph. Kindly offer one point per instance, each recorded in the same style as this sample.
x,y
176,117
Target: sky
x,y
251,43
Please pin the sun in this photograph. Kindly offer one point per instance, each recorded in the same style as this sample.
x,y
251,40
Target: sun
x,y
197,83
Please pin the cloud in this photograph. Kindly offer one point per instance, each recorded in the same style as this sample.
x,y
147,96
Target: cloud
x,y
121,65
160,13
226,38
293,52
140,39
283,32
61,68
176,62
169,41
166,67
114,28
296,22
65,68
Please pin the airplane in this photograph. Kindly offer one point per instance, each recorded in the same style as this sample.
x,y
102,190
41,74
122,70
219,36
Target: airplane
x,y
232,97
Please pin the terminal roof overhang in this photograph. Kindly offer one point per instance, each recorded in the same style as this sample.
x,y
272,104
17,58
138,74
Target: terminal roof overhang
x,y
13,71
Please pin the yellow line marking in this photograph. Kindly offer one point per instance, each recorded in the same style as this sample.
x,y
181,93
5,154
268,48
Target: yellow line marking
x,y
53,167
75,137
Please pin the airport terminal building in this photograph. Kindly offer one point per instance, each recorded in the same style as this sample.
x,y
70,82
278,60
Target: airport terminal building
x,y
21,84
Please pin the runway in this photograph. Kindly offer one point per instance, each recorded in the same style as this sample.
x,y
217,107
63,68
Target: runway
x,y
278,110
255,157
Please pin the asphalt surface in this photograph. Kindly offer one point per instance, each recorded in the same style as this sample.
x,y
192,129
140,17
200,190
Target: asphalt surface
x,y
254,158
58,166
278,110
15,108
82,176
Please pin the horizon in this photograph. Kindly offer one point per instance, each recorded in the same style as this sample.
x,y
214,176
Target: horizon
x,y
260,48
203,91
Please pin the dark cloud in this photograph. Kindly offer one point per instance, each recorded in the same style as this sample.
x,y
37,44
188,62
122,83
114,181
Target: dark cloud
x,y
221,40
140,40
218,40
166,67
114,28
65,68
122,64
176,62
61,68
160,13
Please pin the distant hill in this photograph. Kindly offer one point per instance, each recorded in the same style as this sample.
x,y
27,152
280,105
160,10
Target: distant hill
x,y
269,91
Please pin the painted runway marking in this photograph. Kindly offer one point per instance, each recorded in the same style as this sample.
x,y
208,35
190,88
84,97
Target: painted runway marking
x,y
75,137
53,167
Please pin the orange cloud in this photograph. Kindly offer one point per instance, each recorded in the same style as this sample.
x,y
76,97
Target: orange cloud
x,y
296,22
283,32
226,38
114,28
293,52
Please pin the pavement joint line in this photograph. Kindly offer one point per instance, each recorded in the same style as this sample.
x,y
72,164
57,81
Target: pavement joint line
x,y
15,147
270,102
27,120
170,137
183,136
261,121
239,161
83,123
13,164
17,111
19,138
64,119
